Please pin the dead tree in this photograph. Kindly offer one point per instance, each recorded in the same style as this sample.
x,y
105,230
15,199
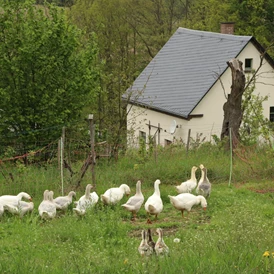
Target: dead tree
x,y
233,112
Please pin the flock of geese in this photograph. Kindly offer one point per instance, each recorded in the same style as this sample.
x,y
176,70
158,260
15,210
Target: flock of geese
x,y
184,201
47,209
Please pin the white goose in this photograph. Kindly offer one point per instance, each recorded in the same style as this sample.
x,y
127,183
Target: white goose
x,y
144,248
1,210
185,201
160,247
21,209
14,199
204,186
113,195
154,204
86,201
135,202
47,208
64,201
189,185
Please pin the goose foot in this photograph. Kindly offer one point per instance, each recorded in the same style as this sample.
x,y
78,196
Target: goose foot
x,y
149,221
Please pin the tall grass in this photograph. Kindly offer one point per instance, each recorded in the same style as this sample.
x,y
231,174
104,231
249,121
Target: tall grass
x,y
230,237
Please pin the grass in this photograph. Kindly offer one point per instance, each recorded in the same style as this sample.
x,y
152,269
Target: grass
x,y
230,237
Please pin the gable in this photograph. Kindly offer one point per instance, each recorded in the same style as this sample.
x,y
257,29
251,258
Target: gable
x,y
185,69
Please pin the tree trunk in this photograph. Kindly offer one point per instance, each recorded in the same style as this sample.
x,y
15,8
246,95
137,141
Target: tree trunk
x,y
233,107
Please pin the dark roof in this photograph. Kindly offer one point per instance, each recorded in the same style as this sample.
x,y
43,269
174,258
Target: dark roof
x,y
185,69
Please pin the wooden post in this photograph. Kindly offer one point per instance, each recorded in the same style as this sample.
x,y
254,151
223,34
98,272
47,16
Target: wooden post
x,y
149,127
91,130
61,164
159,139
188,140
59,153
63,135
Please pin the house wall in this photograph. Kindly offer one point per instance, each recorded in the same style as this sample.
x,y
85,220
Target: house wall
x,y
211,107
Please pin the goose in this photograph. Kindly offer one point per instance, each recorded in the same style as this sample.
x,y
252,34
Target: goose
x,y
189,185
64,201
113,195
47,208
204,186
1,210
86,201
160,247
14,199
154,204
185,201
201,178
150,240
21,209
144,248
135,202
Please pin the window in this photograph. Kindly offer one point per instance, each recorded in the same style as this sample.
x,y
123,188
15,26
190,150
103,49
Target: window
x,y
167,142
271,114
142,136
248,64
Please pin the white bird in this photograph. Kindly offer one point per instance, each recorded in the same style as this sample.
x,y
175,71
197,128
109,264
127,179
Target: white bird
x,y
160,247
86,201
154,204
113,195
135,202
14,199
47,208
204,186
144,248
21,209
64,201
201,166
1,210
189,185
185,201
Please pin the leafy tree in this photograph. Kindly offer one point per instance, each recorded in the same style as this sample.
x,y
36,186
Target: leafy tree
x,y
130,33
47,72
254,18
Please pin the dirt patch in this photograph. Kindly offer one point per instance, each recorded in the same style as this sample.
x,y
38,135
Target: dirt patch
x,y
262,191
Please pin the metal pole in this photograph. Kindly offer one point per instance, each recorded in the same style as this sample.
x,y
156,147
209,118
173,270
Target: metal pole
x,y
230,142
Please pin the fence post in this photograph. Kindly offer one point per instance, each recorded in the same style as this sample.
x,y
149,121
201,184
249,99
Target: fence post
x,y
159,137
188,140
92,131
231,149
61,164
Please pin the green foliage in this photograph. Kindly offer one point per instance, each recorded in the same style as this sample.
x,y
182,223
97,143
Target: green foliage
x,y
47,73
254,124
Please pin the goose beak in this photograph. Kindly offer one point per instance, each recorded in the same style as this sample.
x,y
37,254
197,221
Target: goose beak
x,y
204,208
30,199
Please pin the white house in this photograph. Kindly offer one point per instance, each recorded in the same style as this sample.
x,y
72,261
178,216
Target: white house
x,y
183,89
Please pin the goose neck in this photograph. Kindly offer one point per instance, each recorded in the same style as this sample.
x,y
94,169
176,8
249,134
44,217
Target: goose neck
x,y
156,189
193,174
87,194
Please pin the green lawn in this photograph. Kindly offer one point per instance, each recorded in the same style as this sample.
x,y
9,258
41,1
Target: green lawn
x,y
230,237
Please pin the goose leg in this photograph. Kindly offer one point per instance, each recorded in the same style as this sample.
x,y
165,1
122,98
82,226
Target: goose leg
x,y
182,213
133,218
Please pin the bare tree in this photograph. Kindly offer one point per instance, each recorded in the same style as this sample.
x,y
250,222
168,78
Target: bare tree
x,y
233,106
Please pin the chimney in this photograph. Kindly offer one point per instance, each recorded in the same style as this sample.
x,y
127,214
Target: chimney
x,y
227,27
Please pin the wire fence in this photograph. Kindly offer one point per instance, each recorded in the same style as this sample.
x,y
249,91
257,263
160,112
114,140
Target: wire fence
x,y
42,167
